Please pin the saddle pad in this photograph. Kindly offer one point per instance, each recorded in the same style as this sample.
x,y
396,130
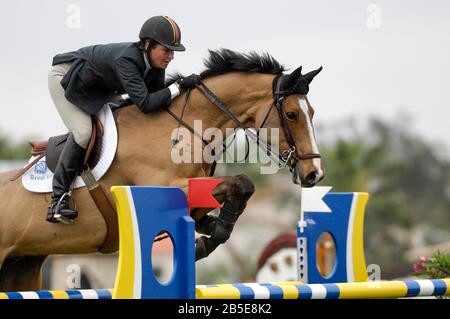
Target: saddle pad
x,y
38,178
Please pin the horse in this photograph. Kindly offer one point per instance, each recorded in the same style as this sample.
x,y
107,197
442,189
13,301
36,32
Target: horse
x,y
250,87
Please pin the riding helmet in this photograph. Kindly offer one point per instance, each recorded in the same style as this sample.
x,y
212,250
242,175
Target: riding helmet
x,y
163,30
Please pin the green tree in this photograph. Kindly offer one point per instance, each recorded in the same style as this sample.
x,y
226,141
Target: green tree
x,y
10,150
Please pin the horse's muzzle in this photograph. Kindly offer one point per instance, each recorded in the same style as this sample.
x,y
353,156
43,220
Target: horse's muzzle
x,y
306,180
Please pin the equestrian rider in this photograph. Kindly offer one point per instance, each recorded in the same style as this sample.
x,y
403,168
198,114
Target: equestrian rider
x,y
81,82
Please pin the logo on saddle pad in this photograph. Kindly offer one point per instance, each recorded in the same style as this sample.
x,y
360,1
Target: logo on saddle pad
x,y
40,168
39,173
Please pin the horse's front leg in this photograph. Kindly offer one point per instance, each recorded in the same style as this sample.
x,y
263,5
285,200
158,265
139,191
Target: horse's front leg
x,y
233,192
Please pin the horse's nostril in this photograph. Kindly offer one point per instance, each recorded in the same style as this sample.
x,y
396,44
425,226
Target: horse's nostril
x,y
311,178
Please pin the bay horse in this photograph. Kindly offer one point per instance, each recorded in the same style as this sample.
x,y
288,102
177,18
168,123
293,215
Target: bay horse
x,y
254,89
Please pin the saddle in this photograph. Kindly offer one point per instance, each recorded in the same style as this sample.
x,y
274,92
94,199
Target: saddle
x,y
53,147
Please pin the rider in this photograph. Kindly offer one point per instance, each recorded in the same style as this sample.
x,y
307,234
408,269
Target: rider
x,y
81,82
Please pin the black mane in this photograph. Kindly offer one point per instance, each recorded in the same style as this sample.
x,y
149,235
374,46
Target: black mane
x,y
225,60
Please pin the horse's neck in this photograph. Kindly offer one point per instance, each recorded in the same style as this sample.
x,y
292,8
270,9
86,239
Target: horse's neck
x,y
146,139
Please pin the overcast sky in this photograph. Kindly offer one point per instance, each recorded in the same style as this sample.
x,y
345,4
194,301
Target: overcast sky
x,y
379,57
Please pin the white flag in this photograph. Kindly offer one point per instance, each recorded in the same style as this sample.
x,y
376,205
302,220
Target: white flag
x,y
312,199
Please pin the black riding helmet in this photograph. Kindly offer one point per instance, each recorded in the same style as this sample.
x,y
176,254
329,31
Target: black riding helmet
x,y
163,30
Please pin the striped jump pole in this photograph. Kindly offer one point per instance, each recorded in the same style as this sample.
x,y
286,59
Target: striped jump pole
x,y
59,294
356,290
279,290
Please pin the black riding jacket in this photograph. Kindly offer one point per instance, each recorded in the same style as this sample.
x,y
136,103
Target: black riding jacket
x,y
101,70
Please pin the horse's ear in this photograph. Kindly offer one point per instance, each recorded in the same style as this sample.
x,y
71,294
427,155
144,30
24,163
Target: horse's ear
x,y
310,76
291,80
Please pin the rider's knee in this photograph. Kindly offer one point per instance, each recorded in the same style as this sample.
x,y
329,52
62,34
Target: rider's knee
x,y
82,134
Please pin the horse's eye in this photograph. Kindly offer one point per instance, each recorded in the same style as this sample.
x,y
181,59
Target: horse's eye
x,y
292,116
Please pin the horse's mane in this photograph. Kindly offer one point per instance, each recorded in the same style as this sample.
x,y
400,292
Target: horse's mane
x,y
224,60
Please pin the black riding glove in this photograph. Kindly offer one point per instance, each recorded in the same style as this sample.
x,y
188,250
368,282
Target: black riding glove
x,y
189,82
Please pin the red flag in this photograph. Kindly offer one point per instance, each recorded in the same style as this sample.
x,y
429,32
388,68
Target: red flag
x,y
199,193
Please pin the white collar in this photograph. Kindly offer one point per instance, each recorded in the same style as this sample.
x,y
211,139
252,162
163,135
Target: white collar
x,y
148,66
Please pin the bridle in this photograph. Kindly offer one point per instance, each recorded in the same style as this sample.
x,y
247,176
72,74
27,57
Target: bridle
x,y
288,157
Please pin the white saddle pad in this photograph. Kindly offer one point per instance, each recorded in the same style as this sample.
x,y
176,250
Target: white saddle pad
x,y
39,177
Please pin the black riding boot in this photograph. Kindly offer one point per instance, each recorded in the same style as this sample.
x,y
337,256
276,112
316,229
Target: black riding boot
x,y
68,167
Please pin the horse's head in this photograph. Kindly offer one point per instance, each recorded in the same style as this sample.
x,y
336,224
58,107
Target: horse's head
x,y
297,145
